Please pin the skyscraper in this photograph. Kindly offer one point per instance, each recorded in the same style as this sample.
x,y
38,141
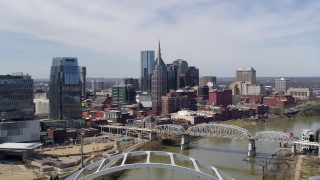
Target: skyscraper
x,y
185,75
16,97
172,77
83,81
182,71
281,85
147,67
158,83
193,76
205,79
17,109
244,78
65,89
133,81
246,75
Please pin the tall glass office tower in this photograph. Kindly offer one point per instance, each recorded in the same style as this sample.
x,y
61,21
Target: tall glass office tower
x,y
65,89
16,97
147,67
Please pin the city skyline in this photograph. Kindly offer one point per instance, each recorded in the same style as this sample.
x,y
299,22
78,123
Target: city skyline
x,y
277,38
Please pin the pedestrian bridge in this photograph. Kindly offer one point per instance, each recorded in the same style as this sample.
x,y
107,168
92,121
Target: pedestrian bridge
x,y
204,130
104,167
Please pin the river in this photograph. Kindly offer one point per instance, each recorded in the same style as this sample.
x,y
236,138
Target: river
x,y
228,154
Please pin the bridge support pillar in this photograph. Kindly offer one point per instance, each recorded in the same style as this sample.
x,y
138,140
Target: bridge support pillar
x,y
294,149
139,136
252,148
185,141
153,136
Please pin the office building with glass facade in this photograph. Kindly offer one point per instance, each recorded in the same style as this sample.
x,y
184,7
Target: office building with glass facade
x,y
65,89
16,97
17,109
123,94
147,67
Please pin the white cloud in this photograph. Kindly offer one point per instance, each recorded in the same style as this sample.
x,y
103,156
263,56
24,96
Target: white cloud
x,y
202,32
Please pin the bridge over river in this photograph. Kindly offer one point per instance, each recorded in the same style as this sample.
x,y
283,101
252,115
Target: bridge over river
x,y
203,130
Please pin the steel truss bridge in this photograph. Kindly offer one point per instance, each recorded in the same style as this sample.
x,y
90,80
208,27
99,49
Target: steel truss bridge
x,y
205,130
104,167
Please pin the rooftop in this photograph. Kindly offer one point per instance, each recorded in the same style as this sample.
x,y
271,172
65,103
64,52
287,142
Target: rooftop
x,y
19,146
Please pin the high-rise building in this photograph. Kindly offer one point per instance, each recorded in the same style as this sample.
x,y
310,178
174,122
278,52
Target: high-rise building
x,y
244,78
182,72
83,81
203,91
134,82
281,85
16,97
158,83
172,77
185,75
203,81
65,89
94,88
17,123
246,75
101,85
147,67
123,94
193,76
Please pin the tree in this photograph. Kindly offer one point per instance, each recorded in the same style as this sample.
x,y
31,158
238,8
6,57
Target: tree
x,y
56,177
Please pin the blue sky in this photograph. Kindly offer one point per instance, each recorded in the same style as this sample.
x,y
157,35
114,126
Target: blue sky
x,y
276,37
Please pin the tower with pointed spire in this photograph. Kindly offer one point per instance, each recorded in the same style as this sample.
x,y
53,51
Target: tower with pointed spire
x,y
158,83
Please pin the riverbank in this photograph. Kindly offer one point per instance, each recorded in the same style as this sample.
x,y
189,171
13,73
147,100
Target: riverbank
x,y
247,123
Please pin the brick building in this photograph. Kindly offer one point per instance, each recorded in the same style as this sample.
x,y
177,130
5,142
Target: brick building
x,y
171,103
257,99
220,97
58,134
276,100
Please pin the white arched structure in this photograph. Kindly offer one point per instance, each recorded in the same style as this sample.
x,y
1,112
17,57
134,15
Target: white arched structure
x,y
219,130
101,167
170,129
273,136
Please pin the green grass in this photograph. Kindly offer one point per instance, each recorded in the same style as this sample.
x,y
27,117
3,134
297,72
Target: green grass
x,y
125,144
309,168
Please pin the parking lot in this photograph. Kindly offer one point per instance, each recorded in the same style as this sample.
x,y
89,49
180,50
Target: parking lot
x,y
17,171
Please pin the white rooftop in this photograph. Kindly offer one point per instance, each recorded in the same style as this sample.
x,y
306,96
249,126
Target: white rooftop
x,y
19,146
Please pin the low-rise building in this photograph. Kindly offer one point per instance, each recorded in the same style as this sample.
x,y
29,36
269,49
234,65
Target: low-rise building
x,y
256,99
302,94
276,100
191,116
91,132
58,134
